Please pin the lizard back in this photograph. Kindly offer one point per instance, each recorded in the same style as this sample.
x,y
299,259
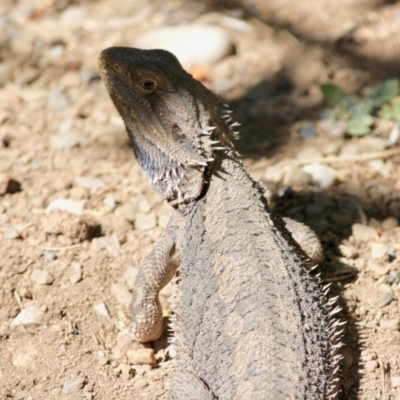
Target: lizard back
x,y
251,322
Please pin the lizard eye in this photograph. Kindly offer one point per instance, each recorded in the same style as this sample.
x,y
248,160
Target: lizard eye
x,y
149,85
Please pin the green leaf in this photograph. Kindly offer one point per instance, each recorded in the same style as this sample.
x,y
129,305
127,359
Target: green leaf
x,y
360,125
384,92
362,107
333,94
391,110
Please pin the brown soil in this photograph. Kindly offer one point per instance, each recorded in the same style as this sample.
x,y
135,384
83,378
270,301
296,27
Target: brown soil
x,y
71,275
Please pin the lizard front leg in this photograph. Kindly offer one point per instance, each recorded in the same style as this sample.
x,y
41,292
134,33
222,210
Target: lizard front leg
x,y
157,270
306,239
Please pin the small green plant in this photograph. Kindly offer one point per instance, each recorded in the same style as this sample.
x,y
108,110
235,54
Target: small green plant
x,y
383,101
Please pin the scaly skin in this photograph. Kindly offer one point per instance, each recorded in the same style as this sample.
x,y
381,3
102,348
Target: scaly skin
x,y
250,322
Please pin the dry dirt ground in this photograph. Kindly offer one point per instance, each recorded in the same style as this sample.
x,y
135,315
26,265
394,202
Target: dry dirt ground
x,y
65,278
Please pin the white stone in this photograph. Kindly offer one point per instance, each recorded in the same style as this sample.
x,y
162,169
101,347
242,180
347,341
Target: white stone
x,y
69,205
321,175
31,314
101,310
379,251
88,182
194,44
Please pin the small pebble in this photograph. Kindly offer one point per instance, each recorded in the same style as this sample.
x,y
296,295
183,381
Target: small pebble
x,y
141,356
32,313
367,355
101,310
127,210
109,243
74,273
57,100
49,256
11,233
76,228
348,251
389,223
307,130
66,141
386,299
309,153
144,222
42,277
394,134
321,175
87,182
395,275
296,177
24,357
371,143
385,288
330,148
370,366
395,381
379,251
376,268
69,205
332,128
109,202
124,343
390,324
144,206
73,385
363,232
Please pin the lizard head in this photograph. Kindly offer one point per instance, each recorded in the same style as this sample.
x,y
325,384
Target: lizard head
x,y
169,116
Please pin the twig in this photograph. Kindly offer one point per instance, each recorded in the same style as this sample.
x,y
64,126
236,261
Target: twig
x,y
61,248
383,376
334,159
